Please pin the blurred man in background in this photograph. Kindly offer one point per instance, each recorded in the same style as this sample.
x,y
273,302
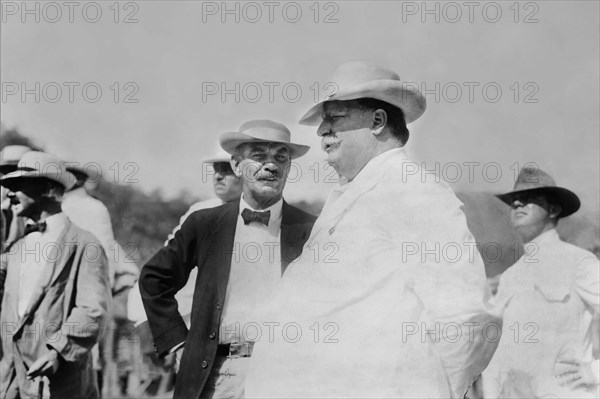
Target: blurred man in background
x,y
226,185
12,227
547,300
92,215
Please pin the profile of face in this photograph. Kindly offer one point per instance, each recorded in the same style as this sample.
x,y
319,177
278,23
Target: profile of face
x,y
26,196
533,212
263,168
346,136
227,186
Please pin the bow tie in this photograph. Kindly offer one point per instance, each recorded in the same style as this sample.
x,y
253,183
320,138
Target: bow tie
x,y
30,228
254,216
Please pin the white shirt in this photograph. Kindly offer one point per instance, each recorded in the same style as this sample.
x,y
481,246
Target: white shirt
x,y
346,306
547,300
255,271
38,250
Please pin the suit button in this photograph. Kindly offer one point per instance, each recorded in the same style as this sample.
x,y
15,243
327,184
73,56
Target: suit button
x,y
212,335
218,305
204,364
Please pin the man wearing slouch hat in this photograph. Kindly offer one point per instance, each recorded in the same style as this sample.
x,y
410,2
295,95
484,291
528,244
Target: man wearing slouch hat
x,y
548,300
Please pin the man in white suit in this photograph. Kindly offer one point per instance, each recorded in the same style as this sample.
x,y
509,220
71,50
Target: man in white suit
x,y
377,306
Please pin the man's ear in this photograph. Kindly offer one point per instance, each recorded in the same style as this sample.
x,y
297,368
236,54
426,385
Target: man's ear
x,y
554,210
235,165
379,121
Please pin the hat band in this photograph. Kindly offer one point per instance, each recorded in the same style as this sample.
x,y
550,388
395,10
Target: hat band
x,y
268,134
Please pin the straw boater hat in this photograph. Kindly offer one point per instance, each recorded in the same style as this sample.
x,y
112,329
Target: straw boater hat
x,y
90,170
356,80
536,181
218,157
261,131
10,156
36,164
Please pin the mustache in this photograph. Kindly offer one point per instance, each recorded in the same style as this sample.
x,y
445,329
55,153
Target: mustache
x,y
329,141
267,175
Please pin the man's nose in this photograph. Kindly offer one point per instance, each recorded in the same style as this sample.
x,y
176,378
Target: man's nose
x,y
270,166
11,194
219,176
517,204
324,128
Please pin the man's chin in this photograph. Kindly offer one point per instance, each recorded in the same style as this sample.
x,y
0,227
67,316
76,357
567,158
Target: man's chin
x,y
268,190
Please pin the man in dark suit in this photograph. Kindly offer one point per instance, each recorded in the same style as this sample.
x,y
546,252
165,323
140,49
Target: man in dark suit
x,y
57,290
241,250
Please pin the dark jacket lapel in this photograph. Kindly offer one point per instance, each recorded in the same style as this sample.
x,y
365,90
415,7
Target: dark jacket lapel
x,y
295,229
220,248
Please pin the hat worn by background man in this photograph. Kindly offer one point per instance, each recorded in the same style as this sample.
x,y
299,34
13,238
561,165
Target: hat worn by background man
x,y
359,79
10,157
37,164
534,181
261,131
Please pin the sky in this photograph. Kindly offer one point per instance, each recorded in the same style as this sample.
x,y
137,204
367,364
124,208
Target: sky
x,y
143,88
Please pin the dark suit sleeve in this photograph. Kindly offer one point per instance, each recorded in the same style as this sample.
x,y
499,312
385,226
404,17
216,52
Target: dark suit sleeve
x,y
162,277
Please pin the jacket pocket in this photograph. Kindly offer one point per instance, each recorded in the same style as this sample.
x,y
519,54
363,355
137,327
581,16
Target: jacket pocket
x,y
555,292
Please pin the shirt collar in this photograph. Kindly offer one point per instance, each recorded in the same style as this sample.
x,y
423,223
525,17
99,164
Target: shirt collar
x,y
546,236
55,223
78,192
543,239
275,208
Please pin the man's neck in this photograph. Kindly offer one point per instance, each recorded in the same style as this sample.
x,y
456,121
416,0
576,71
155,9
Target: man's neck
x,y
260,203
380,149
530,233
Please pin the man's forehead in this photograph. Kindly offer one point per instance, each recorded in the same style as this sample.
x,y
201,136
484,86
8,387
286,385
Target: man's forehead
x,y
337,105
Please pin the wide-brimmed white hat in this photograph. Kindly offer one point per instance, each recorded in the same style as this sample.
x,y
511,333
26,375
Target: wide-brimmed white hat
x,y
359,79
258,131
37,164
10,157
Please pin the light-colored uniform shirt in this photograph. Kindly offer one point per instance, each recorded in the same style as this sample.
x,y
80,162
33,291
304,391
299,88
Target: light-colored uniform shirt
x,y
547,299
39,249
255,271
384,274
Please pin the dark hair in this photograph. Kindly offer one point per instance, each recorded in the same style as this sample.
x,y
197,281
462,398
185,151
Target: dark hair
x,y
395,116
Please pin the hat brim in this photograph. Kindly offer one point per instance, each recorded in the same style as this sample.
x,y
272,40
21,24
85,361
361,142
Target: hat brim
x,y
11,178
8,168
217,160
407,98
78,169
231,140
568,200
